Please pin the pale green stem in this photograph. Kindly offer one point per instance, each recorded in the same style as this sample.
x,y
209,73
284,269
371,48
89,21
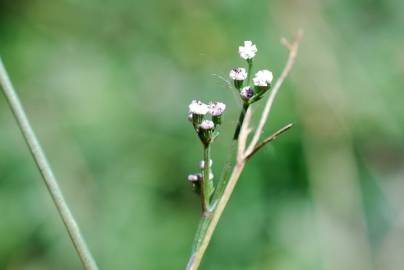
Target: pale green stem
x,y
46,171
249,70
206,189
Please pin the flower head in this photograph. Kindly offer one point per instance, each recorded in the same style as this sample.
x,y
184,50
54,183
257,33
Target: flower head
x,y
207,124
248,51
246,93
198,107
216,108
238,74
263,78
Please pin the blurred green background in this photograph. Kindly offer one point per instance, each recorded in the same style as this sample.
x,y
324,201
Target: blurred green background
x,y
106,85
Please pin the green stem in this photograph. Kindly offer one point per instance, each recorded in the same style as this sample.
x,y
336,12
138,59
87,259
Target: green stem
x,y
220,187
249,70
240,120
206,188
46,171
245,104
228,166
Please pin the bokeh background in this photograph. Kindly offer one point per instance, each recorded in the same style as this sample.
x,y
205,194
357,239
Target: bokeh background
x,y
106,85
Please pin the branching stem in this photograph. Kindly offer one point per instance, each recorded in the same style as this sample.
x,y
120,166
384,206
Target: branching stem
x,y
268,140
208,223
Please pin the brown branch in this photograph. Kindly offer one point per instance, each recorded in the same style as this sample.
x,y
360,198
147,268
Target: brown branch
x,y
268,140
293,48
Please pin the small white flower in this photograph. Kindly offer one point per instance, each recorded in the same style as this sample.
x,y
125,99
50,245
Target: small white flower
x,y
238,74
248,51
263,78
193,177
246,93
202,164
207,124
198,107
216,108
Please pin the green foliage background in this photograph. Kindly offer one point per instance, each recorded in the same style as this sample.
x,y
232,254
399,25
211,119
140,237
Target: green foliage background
x,y
106,85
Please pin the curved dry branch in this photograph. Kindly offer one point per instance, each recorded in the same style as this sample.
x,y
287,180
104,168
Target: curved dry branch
x,y
268,140
293,48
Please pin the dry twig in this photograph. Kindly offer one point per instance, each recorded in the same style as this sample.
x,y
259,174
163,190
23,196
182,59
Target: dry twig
x,y
293,48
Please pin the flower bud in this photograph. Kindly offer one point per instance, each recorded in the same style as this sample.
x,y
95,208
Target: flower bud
x,y
248,51
262,81
216,109
238,75
207,125
197,109
246,93
205,131
193,178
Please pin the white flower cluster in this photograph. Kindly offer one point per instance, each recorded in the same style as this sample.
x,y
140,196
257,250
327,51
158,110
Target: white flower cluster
x,y
263,78
248,51
216,108
238,74
199,108
206,129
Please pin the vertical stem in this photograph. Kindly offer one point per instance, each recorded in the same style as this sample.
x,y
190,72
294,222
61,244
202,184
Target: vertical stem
x,y
240,120
245,105
249,70
206,189
46,171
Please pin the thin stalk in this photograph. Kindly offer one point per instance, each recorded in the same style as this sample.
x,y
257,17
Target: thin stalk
x,y
224,177
240,120
46,171
206,188
245,104
249,70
